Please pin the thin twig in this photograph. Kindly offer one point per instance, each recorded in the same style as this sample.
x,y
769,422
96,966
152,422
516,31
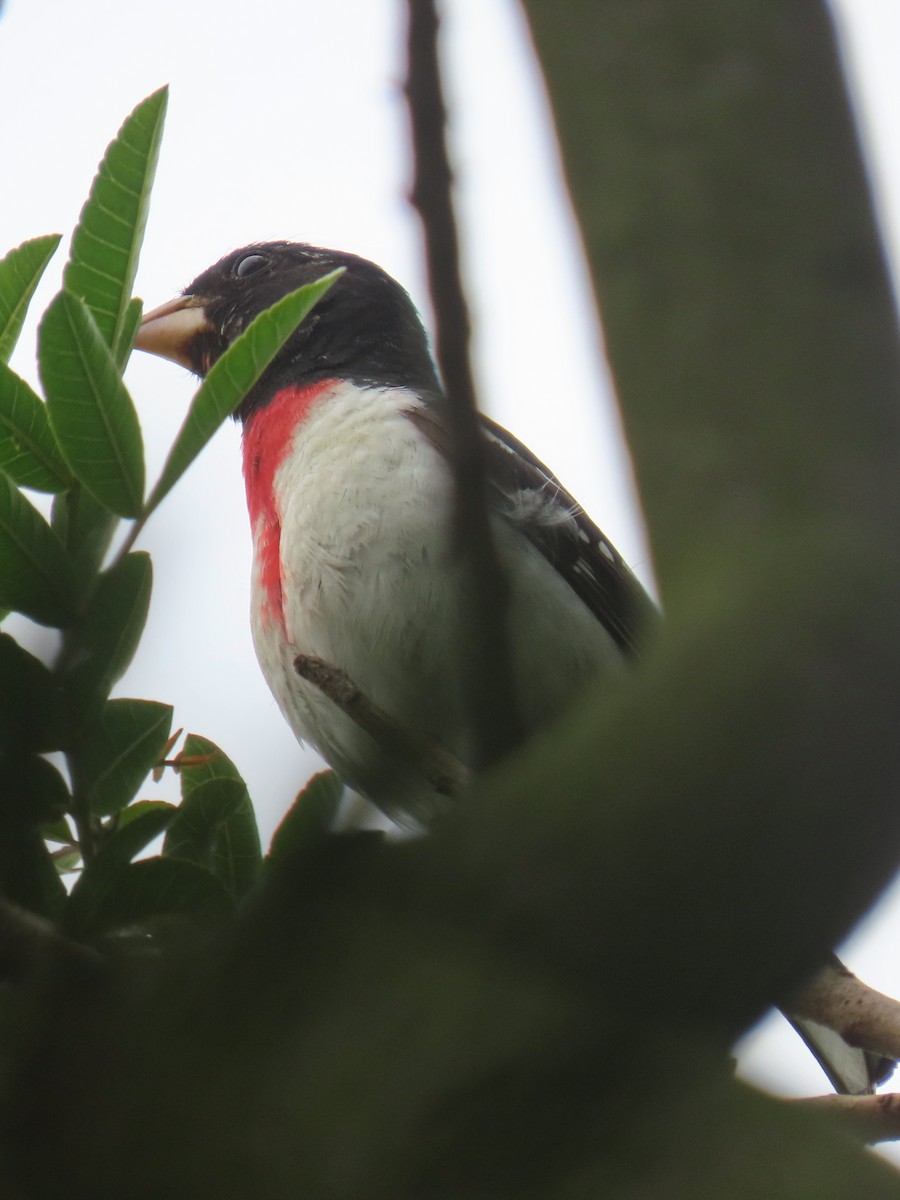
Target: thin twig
x,y
863,1017
487,670
422,754
871,1118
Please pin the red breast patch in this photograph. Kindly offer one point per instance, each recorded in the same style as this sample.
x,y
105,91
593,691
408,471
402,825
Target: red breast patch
x,y
268,434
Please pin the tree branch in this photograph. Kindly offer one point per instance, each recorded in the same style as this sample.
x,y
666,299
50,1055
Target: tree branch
x,y
862,1016
487,672
422,754
872,1118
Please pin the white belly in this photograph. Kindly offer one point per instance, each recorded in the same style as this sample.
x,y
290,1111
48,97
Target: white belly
x,y
369,583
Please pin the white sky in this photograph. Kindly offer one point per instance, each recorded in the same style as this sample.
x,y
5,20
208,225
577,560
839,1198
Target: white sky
x,y
286,120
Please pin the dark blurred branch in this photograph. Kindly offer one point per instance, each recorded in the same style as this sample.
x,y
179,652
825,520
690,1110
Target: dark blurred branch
x,y
487,671
423,755
712,160
26,939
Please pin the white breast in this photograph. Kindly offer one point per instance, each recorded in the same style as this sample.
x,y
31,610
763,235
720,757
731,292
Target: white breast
x,y
370,584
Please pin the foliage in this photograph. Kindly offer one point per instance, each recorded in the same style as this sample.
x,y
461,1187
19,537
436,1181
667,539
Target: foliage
x,y
83,446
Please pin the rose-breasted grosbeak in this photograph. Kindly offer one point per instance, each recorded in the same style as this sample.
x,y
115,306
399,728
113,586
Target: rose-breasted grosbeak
x,y
351,506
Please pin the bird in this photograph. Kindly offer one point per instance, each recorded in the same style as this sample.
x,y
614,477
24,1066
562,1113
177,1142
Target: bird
x,y
351,499
350,492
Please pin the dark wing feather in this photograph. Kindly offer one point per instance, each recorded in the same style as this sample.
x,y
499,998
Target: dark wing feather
x,y
558,526
531,496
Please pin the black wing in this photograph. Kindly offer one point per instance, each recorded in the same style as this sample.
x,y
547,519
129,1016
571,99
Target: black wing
x,y
531,497
556,524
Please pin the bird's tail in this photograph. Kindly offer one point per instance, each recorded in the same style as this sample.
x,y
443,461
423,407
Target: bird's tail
x,y
851,1071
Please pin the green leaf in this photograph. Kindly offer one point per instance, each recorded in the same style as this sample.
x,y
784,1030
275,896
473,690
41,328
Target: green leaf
x,y
85,527
111,628
67,861
139,824
32,792
237,853
20,273
212,763
149,821
90,409
28,875
140,808
232,377
31,710
36,576
121,896
192,835
28,450
130,327
118,750
309,818
57,831
237,856
107,242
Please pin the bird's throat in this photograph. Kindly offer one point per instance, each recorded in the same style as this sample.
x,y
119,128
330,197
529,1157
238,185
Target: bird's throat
x,y
267,439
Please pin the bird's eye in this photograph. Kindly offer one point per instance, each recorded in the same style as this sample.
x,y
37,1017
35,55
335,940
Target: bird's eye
x,y
249,265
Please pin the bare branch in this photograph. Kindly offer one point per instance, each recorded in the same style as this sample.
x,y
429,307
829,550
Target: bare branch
x,y
486,666
872,1118
445,773
863,1017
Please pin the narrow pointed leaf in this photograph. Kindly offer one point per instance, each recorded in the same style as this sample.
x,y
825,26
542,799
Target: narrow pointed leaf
x,y
90,410
310,816
36,576
106,244
232,377
118,751
20,273
111,628
28,450
130,328
85,527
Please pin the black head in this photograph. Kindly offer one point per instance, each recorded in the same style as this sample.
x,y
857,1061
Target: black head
x,y
365,329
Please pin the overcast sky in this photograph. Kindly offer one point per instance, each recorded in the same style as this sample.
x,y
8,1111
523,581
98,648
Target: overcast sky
x,y
286,121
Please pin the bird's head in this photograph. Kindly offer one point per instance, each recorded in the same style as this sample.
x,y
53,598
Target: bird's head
x,y
365,329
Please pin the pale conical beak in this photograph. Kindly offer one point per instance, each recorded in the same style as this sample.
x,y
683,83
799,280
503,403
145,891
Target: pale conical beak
x,y
168,330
